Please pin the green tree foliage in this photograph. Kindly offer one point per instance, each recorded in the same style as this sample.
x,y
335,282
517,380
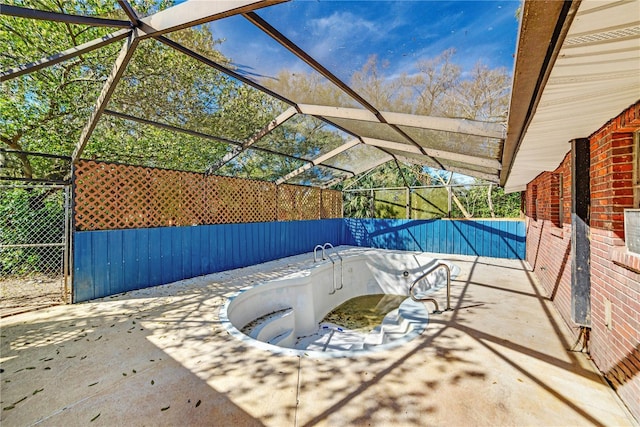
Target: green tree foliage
x,y
476,200
46,110
165,86
382,194
365,204
31,216
43,111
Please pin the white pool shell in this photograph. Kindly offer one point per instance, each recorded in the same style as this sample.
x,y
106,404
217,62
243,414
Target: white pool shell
x,y
304,298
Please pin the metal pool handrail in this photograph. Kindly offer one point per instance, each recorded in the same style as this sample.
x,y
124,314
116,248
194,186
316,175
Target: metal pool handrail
x,y
335,288
429,299
315,252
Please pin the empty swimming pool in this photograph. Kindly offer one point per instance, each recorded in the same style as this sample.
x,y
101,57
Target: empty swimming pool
x,y
287,315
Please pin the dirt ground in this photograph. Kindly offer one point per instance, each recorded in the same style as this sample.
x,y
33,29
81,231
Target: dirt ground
x,y
22,294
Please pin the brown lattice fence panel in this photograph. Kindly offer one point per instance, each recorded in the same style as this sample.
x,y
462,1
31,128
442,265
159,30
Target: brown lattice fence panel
x,y
96,203
164,200
113,196
331,204
298,203
242,200
133,196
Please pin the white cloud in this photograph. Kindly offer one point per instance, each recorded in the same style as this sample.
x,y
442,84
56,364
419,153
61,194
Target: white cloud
x,y
339,31
342,38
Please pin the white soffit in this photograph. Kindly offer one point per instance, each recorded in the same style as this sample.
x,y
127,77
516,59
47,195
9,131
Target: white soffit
x,y
595,77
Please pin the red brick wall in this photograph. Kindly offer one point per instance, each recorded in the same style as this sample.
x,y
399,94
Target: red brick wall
x,y
544,201
548,241
615,339
615,274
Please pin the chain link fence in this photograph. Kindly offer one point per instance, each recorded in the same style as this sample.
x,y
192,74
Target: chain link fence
x,y
33,245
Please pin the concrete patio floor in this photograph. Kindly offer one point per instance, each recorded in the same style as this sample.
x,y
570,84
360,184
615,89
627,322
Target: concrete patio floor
x,y
159,356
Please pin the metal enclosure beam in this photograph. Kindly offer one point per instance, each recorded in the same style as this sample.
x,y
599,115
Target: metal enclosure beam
x,y
304,56
12,73
339,112
283,117
463,171
294,173
445,155
463,126
131,13
107,90
196,12
170,127
360,178
300,53
45,15
319,160
379,162
344,147
580,244
206,136
221,68
366,171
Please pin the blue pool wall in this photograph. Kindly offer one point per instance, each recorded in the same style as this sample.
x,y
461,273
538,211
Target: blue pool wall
x,y
114,261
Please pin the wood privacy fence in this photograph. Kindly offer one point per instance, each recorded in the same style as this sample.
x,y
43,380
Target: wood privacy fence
x,y
110,196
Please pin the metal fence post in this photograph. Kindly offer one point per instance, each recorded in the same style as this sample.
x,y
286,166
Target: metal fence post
x,y
408,202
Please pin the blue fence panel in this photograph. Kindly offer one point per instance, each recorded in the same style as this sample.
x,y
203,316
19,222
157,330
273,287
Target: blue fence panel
x,y
115,261
186,252
165,266
83,280
491,238
101,263
130,263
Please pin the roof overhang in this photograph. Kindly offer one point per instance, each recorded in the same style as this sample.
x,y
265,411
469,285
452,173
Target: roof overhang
x,y
577,66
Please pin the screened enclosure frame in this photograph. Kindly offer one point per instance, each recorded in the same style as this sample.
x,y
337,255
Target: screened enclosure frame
x,y
388,133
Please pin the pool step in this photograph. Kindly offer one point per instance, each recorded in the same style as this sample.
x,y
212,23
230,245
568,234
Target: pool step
x,y
330,337
396,324
392,326
274,328
403,323
284,339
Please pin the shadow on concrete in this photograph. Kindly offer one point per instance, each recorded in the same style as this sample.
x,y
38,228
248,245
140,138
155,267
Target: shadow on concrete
x,y
442,344
160,356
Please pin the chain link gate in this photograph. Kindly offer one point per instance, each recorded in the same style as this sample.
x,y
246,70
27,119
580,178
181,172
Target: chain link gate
x,y
34,246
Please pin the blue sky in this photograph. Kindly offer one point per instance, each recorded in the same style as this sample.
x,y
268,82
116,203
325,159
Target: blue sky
x,y
341,35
